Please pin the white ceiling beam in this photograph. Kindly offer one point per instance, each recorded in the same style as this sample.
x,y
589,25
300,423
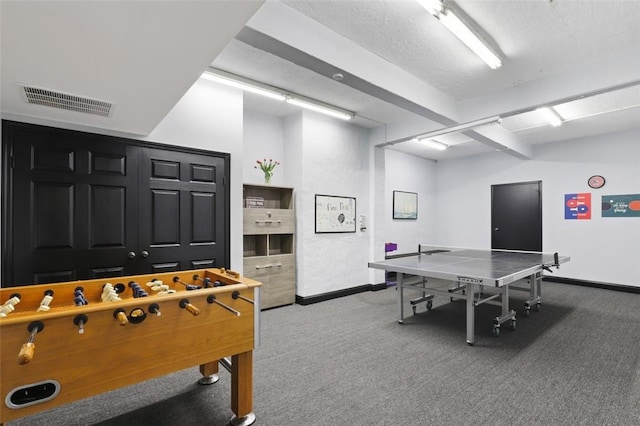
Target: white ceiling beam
x,y
363,70
502,140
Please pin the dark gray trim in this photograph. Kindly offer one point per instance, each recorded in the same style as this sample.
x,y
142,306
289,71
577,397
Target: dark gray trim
x,y
595,284
300,300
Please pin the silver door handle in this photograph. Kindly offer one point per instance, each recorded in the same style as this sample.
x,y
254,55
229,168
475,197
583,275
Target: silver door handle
x,y
144,253
131,255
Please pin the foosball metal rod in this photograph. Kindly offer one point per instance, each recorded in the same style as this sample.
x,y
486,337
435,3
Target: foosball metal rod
x,y
212,299
236,295
187,286
226,363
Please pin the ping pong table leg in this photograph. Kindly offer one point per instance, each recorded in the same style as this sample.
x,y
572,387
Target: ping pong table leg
x,y
535,290
399,289
470,315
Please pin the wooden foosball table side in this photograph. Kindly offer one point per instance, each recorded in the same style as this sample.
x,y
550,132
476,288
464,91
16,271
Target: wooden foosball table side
x,y
73,352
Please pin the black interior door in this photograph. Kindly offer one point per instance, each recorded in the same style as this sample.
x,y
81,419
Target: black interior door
x,y
516,216
73,206
182,211
82,206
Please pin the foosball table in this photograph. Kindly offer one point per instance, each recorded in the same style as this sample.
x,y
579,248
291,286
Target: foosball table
x,y
57,338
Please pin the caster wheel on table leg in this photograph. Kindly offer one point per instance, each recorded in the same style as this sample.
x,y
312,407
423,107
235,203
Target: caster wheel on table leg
x,y
496,330
414,309
429,305
513,325
536,307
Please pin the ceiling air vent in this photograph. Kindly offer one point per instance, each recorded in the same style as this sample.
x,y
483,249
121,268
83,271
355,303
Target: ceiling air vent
x,y
50,98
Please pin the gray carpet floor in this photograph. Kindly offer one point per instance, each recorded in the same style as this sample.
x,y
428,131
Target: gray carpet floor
x,y
348,361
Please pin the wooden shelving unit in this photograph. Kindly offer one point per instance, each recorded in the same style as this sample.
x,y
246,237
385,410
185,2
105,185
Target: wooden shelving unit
x,y
269,242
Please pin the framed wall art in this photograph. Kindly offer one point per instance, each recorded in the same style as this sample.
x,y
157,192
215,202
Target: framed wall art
x,y
405,205
335,214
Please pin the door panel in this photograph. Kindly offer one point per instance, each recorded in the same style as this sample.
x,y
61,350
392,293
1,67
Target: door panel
x,y
182,211
164,218
516,216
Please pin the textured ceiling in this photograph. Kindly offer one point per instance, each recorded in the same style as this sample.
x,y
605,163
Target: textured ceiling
x,y
555,52
403,70
538,37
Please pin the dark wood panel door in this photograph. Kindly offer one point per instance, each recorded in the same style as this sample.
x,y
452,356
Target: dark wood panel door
x,y
182,211
516,216
81,206
73,206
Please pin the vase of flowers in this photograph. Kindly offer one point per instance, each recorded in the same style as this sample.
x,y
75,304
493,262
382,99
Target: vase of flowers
x,y
267,168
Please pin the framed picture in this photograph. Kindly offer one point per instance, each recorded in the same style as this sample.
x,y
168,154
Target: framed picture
x,y
335,214
405,205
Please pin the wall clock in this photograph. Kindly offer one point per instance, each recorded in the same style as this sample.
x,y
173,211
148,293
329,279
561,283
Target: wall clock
x,y
596,181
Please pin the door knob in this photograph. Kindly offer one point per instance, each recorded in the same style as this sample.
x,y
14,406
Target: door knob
x,y
131,255
496,229
144,253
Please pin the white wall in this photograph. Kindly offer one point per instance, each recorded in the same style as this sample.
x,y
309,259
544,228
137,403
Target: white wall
x,y
334,162
263,139
410,174
601,249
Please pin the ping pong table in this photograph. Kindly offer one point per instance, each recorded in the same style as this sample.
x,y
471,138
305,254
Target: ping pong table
x,y
464,273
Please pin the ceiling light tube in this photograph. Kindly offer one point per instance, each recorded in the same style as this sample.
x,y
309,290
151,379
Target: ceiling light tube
x,y
463,27
551,115
320,108
433,144
244,86
468,37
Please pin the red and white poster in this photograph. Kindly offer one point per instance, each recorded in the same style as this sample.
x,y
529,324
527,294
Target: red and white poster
x,y
577,206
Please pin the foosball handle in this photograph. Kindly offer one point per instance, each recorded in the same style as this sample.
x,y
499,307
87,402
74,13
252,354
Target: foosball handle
x,y
26,353
121,316
184,303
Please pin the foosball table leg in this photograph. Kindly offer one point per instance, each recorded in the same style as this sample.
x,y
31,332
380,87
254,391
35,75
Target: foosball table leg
x,y
242,389
209,373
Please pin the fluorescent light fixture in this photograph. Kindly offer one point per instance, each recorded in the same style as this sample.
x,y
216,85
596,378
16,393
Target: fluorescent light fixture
x,y
448,130
551,115
462,27
320,108
460,30
244,86
233,80
433,144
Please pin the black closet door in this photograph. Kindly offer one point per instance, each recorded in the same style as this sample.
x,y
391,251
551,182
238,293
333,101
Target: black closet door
x,y
80,206
182,211
72,205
